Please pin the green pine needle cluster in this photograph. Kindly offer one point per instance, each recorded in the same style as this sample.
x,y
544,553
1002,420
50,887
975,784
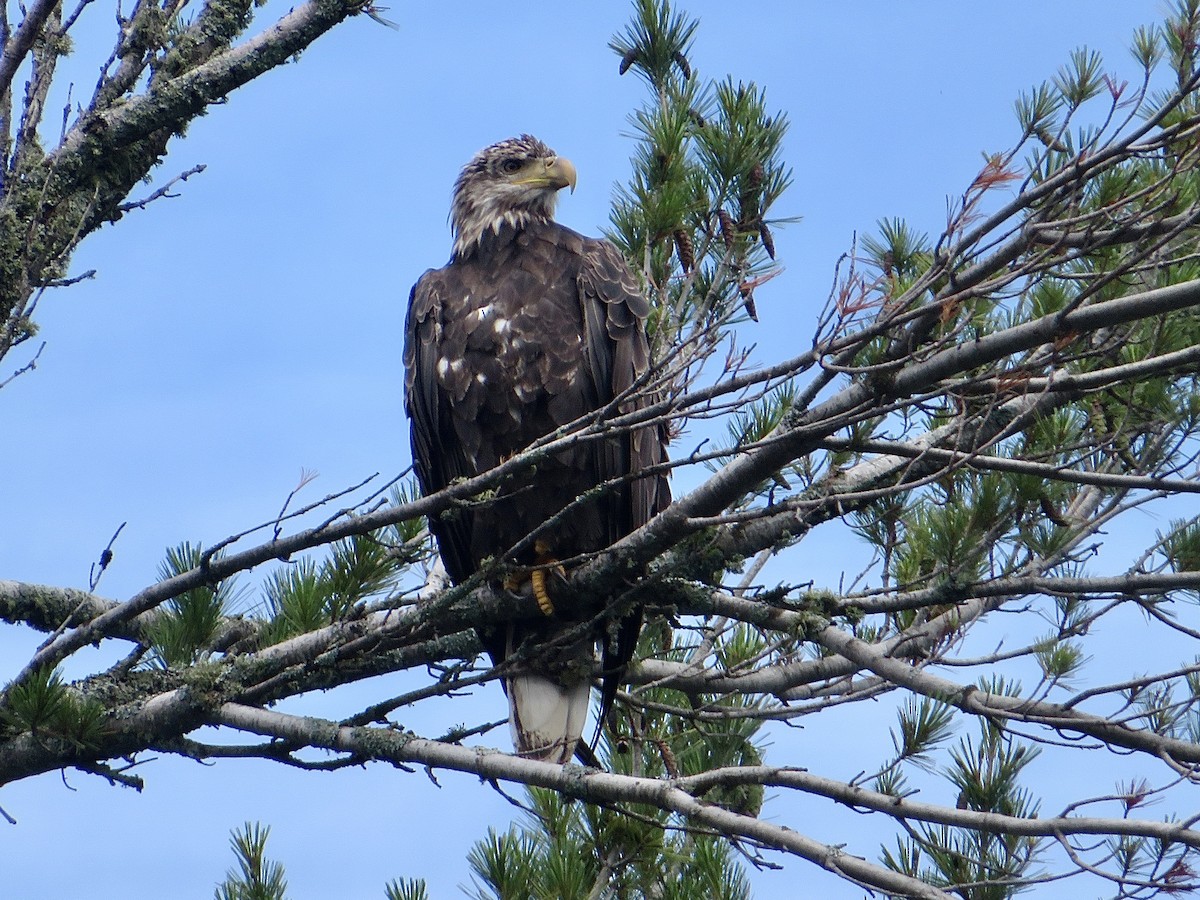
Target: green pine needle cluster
x,y
406,889
48,708
256,877
1181,546
562,848
183,631
1170,708
707,171
924,724
666,733
986,773
302,595
307,594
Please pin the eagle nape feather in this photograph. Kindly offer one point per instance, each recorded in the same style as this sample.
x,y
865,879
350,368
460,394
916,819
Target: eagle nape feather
x,y
527,328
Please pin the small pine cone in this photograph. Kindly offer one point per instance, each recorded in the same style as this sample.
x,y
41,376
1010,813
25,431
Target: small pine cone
x,y
768,242
670,763
727,228
696,117
748,207
1051,142
684,65
1049,511
747,293
685,249
628,60
757,175
888,263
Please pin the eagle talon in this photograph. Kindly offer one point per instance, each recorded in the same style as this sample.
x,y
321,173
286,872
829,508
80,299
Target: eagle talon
x,y
537,578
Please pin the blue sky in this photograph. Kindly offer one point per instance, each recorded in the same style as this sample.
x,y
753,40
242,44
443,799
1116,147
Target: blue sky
x,y
252,327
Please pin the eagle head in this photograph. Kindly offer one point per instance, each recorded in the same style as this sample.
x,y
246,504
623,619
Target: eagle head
x,y
513,182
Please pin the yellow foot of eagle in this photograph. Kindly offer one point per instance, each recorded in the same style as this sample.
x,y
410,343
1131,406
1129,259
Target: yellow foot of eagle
x,y
537,578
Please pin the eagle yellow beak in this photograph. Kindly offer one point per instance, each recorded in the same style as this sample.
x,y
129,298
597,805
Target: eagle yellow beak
x,y
554,171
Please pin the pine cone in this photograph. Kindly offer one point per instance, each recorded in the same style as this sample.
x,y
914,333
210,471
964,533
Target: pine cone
x,y
684,66
727,229
685,249
747,293
768,242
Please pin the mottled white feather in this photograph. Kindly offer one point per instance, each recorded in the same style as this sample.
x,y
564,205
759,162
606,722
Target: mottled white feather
x,y
485,202
546,717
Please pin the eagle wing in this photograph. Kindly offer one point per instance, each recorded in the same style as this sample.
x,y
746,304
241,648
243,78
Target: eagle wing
x,y
618,357
438,455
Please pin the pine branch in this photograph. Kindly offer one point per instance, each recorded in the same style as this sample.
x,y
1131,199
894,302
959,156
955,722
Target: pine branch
x,y
588,785
1176,753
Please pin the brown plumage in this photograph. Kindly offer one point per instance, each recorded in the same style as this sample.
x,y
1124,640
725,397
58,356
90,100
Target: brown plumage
x,y
529,327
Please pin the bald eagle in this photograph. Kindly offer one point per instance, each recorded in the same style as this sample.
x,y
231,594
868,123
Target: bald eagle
x,y
529,327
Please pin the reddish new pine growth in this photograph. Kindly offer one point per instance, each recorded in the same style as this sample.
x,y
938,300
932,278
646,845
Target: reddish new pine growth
x,y
994,172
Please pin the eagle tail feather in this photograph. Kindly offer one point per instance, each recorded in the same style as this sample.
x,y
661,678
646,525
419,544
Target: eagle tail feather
x,y
546,716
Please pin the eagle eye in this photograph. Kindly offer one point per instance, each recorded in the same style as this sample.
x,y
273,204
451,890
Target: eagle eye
x,y
510,166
